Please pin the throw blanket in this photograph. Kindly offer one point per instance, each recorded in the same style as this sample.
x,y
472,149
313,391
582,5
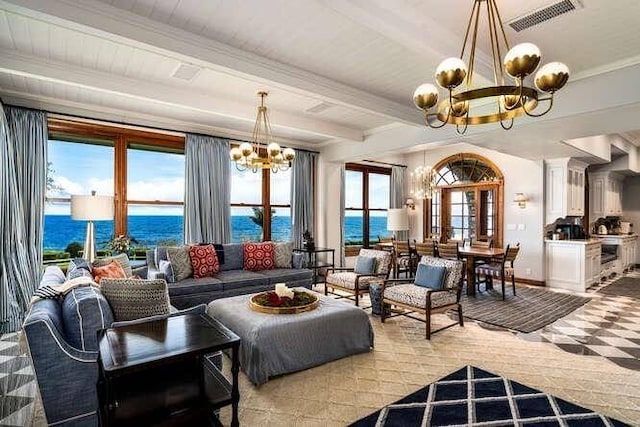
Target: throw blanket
x,y
59,291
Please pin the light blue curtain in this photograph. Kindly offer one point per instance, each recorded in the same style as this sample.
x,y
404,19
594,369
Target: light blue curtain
x,y
207,198
342,205
302,172
23,166
396,194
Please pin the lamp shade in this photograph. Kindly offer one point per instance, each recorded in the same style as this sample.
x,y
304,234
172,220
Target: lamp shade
x,y
91,207
397,220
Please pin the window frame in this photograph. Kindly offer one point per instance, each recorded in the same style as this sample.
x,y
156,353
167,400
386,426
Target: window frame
x,y
366,170
63,129
496,184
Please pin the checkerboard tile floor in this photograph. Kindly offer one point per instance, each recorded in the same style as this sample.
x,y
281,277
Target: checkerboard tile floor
x,y
17,383
607,326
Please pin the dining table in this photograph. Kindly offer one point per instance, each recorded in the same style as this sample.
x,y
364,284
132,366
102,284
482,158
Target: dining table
x,y
473,253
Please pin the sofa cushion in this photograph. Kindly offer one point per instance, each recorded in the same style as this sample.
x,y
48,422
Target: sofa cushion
x,y
113,270
85,311
233,257
134,298
204,261
194,286
122,259
286,275
283,253
234,279
180,260
78,267
259,256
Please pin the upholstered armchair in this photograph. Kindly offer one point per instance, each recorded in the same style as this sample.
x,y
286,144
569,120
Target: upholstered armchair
x,y
408,297
356,283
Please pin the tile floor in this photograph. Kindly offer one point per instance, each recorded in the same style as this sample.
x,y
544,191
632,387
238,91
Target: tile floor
x,y
590,357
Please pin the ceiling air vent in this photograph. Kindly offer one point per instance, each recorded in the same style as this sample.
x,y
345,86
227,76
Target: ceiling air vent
x,y
319,108
546,13
186,72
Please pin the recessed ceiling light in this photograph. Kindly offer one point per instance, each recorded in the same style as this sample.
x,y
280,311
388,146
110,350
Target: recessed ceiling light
x,y
186,72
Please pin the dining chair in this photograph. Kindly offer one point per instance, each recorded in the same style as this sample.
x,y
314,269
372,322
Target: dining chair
x,y
500,269
448,250
425,249
405,260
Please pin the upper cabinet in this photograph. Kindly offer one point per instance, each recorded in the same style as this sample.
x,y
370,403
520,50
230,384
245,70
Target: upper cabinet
x,y
605,194
564,188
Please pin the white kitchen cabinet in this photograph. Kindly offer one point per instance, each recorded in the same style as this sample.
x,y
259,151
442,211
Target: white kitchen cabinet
x,y
626,250
572,264
605,194
564,188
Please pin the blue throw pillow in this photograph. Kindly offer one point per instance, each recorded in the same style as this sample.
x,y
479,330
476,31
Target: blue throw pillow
x,y
365,265
430,276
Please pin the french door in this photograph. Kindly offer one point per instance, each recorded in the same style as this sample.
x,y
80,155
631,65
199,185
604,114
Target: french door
x,y
471,211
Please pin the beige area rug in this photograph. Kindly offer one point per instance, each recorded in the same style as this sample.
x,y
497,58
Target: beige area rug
x,y
402,362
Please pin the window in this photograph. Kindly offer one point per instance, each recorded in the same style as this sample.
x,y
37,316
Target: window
x,y
144,171
469,200
367,191
260,205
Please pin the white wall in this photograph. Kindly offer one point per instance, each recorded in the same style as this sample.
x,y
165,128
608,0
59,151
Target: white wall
x,y
631,206
328,205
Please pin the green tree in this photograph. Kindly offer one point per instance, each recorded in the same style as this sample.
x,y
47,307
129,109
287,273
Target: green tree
x,y
51,183
74,249
258,216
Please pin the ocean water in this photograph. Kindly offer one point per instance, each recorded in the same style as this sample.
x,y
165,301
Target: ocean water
x,y
60,230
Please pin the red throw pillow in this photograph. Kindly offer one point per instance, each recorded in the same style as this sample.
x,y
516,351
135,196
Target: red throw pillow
x,y
204,261
113,270
259,256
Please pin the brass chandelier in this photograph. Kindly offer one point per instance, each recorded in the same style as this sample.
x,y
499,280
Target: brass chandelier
x,y
509,101
262,152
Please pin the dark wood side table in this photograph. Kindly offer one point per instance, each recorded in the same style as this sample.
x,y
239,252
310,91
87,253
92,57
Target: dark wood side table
x,y
161,373
312,259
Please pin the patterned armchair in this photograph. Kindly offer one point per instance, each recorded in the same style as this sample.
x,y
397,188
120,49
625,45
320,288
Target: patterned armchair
x,y
346,280
409,298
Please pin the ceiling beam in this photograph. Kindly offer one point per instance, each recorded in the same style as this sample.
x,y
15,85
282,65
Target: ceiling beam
x,y
16,63
97,18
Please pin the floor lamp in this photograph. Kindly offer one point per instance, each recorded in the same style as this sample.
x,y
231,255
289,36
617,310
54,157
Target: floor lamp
x,y
397,220
91,208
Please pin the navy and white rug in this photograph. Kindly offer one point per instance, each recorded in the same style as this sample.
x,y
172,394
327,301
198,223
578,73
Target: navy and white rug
x,y
473,397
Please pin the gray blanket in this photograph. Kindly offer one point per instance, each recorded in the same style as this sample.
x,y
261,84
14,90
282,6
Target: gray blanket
x,y
275,344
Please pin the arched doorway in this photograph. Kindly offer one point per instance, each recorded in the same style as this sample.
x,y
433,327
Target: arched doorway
x,y
469,202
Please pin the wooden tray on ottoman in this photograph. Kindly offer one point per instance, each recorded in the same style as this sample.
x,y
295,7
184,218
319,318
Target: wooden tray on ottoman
x,y
283,310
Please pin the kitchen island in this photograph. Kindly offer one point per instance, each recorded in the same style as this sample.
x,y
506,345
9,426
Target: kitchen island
x,y
573,265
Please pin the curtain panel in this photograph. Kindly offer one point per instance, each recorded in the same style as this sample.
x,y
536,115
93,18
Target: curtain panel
x,y
302,172
396,194
23,166
207,199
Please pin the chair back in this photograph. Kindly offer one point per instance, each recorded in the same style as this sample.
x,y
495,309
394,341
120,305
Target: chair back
x,y
448,250
482,244
511,253
453,278
385,239
401,247
426,248
383,260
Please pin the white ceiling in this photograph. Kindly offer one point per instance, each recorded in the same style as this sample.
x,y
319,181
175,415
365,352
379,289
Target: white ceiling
x,y
114,59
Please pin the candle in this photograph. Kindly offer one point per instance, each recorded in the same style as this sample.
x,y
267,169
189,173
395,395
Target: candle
x,y
281,289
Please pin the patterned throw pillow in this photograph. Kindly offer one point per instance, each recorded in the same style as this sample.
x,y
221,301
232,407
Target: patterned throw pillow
x,y
180,262
112,269
166,268
122,259
78,267
284,252
204,261
132,299
259,256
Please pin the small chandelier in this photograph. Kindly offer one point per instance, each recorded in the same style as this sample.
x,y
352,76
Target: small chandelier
x,y
423,184
262,153
509,101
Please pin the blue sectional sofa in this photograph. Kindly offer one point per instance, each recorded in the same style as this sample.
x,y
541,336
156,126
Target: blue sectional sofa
x,y
232,279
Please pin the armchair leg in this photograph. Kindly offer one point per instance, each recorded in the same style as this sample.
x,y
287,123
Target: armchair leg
x,y
502,283
460,320
382,313
326,287
513,284
428,324
357,296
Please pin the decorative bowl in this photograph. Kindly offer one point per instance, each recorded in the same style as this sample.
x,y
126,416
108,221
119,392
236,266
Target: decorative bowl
x,y
301,302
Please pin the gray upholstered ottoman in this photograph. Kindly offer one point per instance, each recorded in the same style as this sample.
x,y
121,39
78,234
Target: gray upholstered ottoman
x,y
276,344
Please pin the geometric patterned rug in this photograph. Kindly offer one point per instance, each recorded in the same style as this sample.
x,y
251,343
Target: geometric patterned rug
x,y
474,397
17,383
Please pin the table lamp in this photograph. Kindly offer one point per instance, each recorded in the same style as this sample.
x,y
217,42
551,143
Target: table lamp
x,y
397,220
91,208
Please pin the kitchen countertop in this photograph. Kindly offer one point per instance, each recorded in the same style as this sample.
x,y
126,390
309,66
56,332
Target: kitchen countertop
x,y
575,242
614,235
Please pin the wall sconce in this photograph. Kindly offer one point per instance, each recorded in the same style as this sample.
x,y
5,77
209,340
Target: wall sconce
x,y
410,204
521,200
